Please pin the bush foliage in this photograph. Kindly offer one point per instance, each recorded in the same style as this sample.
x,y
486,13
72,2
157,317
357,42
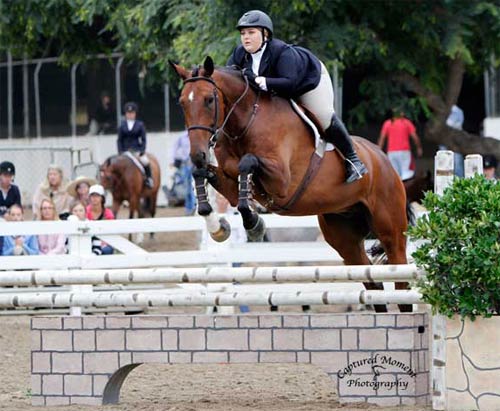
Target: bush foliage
x,y
462,251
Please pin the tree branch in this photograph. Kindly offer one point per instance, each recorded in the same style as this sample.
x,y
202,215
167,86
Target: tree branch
x,y
434,101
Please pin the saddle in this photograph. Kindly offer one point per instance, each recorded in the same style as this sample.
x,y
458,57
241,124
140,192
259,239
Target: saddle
x,y
137,163
310,120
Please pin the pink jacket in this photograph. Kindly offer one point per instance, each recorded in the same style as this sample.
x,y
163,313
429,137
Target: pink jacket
x,y
52,243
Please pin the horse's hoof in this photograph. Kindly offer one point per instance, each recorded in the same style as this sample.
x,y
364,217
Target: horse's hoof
x,y
257,233
223,233
204,209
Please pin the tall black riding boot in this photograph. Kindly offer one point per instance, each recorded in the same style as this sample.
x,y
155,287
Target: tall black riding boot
x,y
149,183
339,137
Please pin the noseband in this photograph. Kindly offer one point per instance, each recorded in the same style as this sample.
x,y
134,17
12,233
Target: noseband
x,y
213,130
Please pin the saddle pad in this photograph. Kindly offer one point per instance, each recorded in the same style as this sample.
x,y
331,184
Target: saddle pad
x,y
310,123
135,161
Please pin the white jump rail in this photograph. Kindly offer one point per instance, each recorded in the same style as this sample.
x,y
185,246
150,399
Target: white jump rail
x,y
368,273
201,298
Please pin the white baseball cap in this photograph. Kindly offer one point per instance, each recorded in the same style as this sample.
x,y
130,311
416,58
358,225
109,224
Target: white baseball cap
x,y
97,189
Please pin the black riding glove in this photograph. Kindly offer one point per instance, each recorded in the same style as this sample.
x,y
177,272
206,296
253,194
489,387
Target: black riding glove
x,y
251,76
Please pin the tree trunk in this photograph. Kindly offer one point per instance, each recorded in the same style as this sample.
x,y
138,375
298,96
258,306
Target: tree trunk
x,y
461,141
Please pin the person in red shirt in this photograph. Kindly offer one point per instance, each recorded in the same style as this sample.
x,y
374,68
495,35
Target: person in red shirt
x,y
97,211
398,130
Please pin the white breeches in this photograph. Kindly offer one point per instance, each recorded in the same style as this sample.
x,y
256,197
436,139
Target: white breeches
x,y
319,101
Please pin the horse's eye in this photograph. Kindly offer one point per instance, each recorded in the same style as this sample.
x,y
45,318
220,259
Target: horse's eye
x,y
209,100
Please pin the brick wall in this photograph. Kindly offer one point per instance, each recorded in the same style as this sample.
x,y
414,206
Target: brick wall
x,y
376,358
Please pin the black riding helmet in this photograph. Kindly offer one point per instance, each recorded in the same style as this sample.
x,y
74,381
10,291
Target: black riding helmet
x,y
6,167
130,107
489,161
256,18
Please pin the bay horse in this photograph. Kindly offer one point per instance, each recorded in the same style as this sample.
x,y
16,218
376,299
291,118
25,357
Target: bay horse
x,y
123,178
264,150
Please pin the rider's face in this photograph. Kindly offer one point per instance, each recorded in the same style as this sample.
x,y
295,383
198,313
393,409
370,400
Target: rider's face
x,y
130,115
251,39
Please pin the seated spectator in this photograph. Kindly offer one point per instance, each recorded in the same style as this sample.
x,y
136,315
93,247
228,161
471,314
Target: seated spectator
x,y
96,210
53,188
490,166
19,244
50,243
78,189
9,193
78,210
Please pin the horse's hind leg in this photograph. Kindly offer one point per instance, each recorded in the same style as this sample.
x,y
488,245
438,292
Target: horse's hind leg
x,y
389,229
346,235
254,225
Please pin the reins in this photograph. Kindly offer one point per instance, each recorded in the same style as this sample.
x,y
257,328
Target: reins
x,y
213,128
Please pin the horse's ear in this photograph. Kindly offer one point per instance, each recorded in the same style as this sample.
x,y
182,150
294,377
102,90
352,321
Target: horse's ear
x,y
181,71
208,65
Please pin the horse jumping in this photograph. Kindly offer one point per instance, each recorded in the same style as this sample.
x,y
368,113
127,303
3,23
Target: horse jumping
x,y
125,180
264,150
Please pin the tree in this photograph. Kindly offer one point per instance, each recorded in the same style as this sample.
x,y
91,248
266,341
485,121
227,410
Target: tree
x,y
417,50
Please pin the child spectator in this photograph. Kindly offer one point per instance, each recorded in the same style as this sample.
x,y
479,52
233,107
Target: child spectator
x,y
50,243
19,244
97,211
9,193
78,210
53,188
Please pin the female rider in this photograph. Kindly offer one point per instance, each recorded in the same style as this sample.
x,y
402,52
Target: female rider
x,y
293,72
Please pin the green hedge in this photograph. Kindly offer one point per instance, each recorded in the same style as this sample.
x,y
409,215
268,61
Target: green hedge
x,y
462,254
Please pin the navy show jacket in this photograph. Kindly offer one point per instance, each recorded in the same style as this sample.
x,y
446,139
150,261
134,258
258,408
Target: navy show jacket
x,y
290,70
133,140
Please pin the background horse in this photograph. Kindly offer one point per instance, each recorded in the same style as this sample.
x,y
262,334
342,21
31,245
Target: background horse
x,y
264,150
418,185
123,178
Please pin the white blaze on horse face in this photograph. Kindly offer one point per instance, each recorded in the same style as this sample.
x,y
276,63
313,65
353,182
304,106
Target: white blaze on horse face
x,y
191,96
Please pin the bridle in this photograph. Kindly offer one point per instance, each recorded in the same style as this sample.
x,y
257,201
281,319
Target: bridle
x,y
212,129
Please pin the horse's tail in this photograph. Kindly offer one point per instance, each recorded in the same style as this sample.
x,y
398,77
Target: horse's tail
x,y
376,251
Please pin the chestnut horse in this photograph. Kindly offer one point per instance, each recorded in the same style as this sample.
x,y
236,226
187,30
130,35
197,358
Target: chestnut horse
x,y
264,149
123,178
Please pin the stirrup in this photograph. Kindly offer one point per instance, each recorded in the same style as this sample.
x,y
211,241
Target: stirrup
x,y
354,173
149,183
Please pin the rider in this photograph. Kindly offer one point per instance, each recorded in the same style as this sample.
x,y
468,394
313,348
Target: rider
x,y
132,137
293,72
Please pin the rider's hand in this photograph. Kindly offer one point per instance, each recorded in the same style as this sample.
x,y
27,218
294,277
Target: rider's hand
x,y
249,74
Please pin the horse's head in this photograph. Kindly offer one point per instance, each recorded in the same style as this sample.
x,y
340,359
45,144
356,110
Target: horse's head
x,y
106,174
200,101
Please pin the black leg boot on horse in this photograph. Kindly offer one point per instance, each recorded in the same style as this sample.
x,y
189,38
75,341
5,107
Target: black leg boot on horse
x,y
148,182
253,223
340,138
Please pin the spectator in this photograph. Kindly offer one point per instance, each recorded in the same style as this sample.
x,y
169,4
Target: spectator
x,y
182,162
53,188
19,244
9,193
132,138
97,211
50,243
79,189
456,120
398,131
78,210
105,115
490,166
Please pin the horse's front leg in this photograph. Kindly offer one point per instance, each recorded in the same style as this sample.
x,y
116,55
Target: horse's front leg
x,y
218,227
253,223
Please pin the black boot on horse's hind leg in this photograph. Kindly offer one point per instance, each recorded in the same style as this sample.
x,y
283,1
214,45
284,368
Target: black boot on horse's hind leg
x,y
253,223
149,183
339,137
